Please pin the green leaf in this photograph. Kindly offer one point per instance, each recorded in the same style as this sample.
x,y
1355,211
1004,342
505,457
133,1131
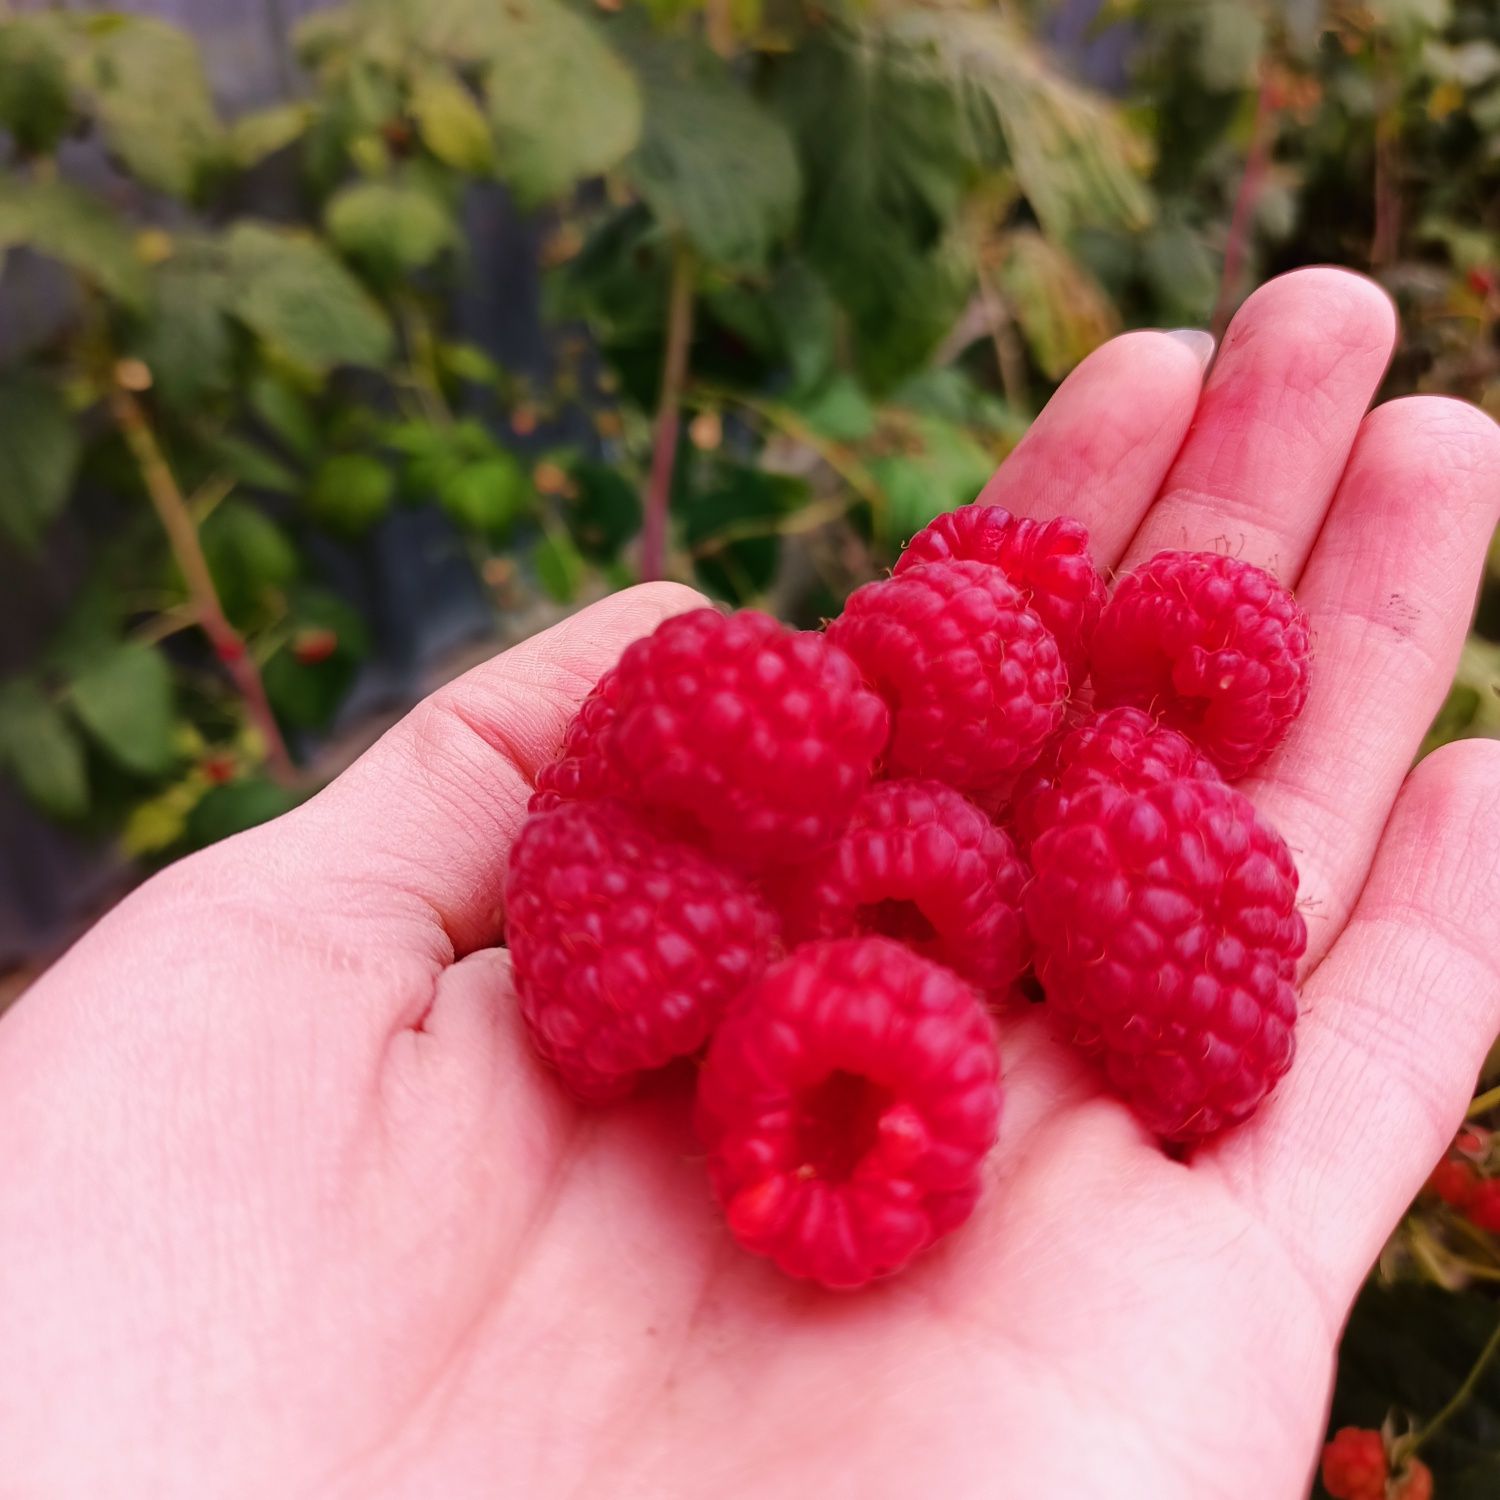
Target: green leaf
x,y
940,467
252,466
36,104
840,410
264,132
350,492
251,558
284,412
185,340
151,97
1230,38
40,447
125,701
560,567
1062,311
713,164
1180,273
227,810
469,362
732,528
488,496
308,694
390,227
42,751
59,220
451,124
1077,158
288,290
563,105
605,511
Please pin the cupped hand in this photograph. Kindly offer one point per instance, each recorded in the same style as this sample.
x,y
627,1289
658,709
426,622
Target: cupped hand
x,y
288,1208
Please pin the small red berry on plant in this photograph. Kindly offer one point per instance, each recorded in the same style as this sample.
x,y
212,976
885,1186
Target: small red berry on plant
x,y
1483,1205
1212,646
847,1102
219,769
309,647
972,676
1414,1482
1355,1465
626,946
1453,1182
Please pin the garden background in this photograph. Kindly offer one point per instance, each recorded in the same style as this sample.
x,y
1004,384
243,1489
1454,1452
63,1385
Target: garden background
x,y
340,345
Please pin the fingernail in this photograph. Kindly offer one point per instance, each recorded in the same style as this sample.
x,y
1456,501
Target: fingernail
x,y
1198,340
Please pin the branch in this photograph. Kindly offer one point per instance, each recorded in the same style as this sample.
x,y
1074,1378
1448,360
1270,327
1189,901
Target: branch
x,y
1257,159
182,536
668,416
1408,1446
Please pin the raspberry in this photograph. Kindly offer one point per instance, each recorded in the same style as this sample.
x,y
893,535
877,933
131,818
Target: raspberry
x,y
1212,645
971,674
1048,561
1453,1182
921,864
736,732
847,1102
1413,1483
1483,1206
1124,747
626,946
1167,936
1354,1465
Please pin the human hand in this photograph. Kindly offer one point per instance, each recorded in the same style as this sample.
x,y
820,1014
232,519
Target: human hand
x,y
289,1208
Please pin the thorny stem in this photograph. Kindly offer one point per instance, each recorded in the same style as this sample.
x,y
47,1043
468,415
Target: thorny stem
x,y
182,536
1409,1445
1251,180
668,416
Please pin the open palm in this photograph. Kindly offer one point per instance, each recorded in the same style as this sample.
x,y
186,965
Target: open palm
x,y
289,1209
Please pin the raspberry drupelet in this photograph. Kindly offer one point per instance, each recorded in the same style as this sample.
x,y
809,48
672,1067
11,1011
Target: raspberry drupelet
x,y
1212,646
847,1103
626,946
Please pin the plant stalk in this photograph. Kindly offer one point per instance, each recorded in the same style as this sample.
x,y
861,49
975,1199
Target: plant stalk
x,y
1486,1101
182,536
1257,160
668,416
1410,1445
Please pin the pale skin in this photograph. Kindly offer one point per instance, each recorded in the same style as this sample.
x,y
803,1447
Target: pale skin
x,y
289,1209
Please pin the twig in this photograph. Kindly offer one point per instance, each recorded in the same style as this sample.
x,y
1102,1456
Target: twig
x,y
1002,330
668,415
1486,1101
1409,1445
718,26
1257,159
834,454
182,536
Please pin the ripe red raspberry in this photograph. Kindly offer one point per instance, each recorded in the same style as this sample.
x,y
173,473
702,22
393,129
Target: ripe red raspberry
x,y
626,946
1413,1483
1483,1206
847,1102
971,674
921,864
732,730
1167,936
1214,646
1354,1465
1048,561
1123,747
1454,1182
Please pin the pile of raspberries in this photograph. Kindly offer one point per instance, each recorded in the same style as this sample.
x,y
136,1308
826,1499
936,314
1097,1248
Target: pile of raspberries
x,y
825,863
